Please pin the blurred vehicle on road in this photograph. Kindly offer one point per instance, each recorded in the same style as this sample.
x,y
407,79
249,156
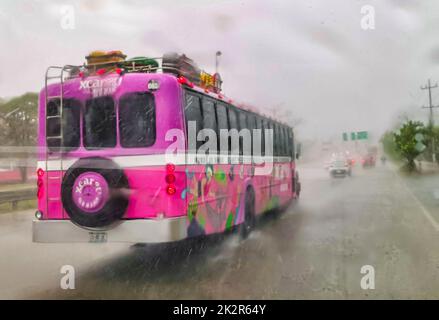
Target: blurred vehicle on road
x,y
350,160
368,161
340,168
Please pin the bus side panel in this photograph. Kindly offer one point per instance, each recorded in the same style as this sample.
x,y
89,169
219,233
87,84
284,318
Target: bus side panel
x,y
148,196
213,196
275,189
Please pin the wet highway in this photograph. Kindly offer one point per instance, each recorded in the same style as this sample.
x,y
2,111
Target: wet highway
x,y
313,250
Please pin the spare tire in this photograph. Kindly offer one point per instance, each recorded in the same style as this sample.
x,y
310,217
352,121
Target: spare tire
x,y
93,192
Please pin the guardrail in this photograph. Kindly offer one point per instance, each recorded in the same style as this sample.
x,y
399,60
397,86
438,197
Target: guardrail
x,y
15,196
427,166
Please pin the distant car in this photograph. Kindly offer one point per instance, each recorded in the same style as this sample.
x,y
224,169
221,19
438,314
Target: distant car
x,y
339,168
368,161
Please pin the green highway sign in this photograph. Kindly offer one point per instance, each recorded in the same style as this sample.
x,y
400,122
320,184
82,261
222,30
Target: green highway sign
x,y
359,135
353,136
362,135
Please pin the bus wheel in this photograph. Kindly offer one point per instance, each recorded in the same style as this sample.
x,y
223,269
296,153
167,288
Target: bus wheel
x,y
249,216
93,192
297,185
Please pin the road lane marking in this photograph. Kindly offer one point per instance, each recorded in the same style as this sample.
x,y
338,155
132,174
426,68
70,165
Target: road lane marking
x,y
426,213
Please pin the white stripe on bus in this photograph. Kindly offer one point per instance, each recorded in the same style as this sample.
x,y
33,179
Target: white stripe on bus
x,y
161,160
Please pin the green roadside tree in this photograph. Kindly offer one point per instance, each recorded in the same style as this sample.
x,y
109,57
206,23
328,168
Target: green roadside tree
x,y
18,129
408,142
432,135
389,146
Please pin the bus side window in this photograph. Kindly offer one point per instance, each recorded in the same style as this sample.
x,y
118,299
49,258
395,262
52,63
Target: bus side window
x,y
209,121
251,126
221,114
286,142
283,141
242,125
275,139
262,141
192,111
264,144
280,140
270,127
233,124
292,149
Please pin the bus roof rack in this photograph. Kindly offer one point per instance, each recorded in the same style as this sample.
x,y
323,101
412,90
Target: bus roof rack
x,y
172,63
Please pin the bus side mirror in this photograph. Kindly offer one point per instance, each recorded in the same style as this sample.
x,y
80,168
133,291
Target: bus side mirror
x,y
299,150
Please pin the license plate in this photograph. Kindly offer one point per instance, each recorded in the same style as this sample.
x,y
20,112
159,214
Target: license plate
x,y
97,237
339,171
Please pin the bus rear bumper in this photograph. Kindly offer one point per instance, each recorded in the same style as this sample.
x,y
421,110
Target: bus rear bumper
x,y
129,231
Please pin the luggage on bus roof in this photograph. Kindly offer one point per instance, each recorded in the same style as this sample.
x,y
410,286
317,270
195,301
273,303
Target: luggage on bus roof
x,y
180,64
104,57
139,64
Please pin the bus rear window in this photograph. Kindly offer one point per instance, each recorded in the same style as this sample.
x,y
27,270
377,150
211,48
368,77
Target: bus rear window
x,y
137,120
99,123
70,124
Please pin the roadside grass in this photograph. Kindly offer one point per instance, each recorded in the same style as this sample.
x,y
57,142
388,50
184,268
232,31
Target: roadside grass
x,y
21,205
17,186
422,168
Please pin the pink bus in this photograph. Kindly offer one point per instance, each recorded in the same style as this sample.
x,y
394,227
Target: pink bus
x,y
104,173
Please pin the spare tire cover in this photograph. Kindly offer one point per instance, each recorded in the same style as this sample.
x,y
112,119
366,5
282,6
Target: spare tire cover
x,y
93,192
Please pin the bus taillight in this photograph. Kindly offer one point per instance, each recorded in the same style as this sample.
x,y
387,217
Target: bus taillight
x,y
40,173
170,179
170,189
170,168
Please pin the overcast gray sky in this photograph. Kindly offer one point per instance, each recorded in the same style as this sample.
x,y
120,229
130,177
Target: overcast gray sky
x,y
306,59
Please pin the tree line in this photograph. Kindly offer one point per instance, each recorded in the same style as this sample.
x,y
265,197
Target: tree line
x,y
413,140
18,128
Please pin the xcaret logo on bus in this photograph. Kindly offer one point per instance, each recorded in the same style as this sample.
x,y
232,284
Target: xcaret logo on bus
x,y
90,191
150,150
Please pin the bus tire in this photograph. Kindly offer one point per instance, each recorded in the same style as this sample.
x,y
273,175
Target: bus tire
x,y
297,185
249,214
112,204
